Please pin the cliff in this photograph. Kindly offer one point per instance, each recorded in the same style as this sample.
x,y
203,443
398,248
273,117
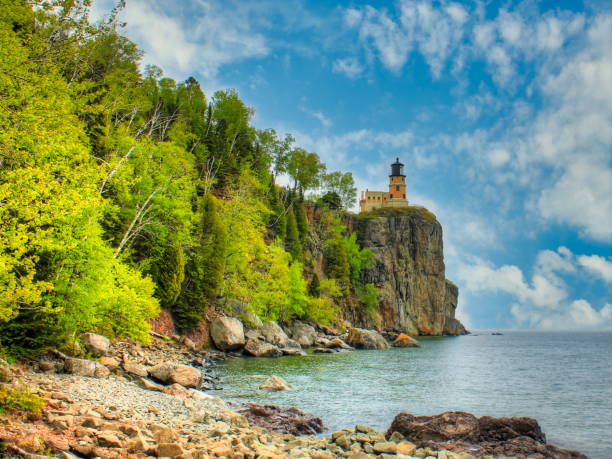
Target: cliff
x,y
409,271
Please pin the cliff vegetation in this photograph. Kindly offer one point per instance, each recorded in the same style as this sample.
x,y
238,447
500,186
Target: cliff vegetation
x,y
124,192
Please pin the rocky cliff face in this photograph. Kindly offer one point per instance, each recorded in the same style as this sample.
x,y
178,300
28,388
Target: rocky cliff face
x,y
409,272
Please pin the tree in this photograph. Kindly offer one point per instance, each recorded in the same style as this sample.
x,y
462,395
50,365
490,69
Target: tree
x,y
342,185
168,272
301,220
305,169
292,240
337,263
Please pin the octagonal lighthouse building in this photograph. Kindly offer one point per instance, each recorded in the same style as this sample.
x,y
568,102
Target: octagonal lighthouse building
x,y
395,197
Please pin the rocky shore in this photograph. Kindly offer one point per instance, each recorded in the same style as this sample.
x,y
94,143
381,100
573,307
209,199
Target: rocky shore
x,y
134,401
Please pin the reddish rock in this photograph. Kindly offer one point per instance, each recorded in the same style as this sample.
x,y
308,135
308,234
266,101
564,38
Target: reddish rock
x,y
404,340
169,450
287,420
463,432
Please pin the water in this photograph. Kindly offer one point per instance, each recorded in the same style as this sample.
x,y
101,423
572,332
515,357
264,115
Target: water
x,y
564,380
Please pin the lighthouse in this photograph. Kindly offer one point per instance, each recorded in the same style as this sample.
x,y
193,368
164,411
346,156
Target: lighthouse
x,y
395,197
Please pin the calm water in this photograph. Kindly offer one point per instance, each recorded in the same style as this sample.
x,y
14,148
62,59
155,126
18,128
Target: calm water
x,y
562,379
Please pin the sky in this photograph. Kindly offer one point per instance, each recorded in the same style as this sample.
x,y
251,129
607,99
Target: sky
x,y
501,112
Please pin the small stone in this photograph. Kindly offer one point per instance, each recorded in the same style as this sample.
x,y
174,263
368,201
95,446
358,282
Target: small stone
x,y
364,429
386,447
169,450
101,371
405,447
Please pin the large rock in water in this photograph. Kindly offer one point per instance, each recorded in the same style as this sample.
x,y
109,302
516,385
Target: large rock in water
x,y
275,383
408,271
486,436
303,334
227,333
366,339
258,348
274,334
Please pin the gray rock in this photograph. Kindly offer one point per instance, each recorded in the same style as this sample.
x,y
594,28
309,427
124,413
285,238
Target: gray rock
x,y
273,334
259,348
80,367
98,345
227,333
303,334
366,339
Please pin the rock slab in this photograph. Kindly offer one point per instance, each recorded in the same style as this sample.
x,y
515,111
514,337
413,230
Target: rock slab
x,y
286,420
366,339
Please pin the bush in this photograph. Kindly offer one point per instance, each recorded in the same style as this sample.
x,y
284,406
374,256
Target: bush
x,y
20,400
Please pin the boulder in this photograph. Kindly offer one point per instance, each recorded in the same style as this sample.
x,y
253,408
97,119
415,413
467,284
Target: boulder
x,y
453,327
293,351
80,367
253,334
366,339
274,334
286,420
485,436
170,372
303,334
101,371
227,333
5,371
98,345
136,369
274,383
448,426
338,344
259,348
252,320
403,340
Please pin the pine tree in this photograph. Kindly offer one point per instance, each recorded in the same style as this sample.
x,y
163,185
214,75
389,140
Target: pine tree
x,y
205,268
292,240
314,288
302,221
168,272
337,263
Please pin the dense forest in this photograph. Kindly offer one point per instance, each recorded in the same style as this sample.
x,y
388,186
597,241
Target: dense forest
x,y
123,192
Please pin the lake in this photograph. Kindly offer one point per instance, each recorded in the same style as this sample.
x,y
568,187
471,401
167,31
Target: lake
x,y
564,380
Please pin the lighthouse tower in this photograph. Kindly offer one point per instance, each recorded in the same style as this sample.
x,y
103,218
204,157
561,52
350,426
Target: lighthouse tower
x,y
396,197
397,186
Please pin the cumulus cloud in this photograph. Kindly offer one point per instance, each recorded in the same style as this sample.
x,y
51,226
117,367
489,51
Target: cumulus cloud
x,y
544,300
597,265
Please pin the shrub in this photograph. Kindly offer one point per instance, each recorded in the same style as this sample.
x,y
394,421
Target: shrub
x,y
12,399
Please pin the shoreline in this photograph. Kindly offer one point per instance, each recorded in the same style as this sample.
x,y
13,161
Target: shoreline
x,y
122,414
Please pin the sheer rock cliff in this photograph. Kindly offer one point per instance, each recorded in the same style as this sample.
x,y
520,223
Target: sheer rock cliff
x,y
415,295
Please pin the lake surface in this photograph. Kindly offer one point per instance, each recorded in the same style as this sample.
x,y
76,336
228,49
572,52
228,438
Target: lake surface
x,y
564,380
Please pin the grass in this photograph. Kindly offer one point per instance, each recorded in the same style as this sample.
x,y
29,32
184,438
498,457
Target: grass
x,y
410,211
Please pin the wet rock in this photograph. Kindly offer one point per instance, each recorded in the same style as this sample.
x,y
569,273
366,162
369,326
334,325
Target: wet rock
x,y
463,432
274,383
287,420
338,344
227,333
98,345
366,339
259,348
323,350
452,425
274,334
403,340
303,333
293,351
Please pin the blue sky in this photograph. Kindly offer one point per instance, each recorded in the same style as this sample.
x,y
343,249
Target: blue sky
x,y
501,111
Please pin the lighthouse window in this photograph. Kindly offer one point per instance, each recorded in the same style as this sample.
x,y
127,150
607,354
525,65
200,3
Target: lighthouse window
x,y
397,187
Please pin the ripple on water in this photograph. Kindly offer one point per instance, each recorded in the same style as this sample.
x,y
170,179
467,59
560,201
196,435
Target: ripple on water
x,y
561,379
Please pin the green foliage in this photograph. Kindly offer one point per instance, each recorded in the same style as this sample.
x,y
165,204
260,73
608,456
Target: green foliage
x,y
314,289
168,273
302,221
341,190
358,258
368,296
204,276
324,309
14,399
305,169
337,263
410,211
292,239
330,200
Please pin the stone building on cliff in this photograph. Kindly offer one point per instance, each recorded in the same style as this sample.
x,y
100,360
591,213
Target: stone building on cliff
x,y
395,197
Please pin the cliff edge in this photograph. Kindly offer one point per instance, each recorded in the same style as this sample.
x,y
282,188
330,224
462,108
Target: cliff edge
x,y
409,270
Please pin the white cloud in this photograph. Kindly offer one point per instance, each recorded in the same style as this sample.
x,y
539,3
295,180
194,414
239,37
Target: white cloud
x,y
597,265
498,157
350,66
